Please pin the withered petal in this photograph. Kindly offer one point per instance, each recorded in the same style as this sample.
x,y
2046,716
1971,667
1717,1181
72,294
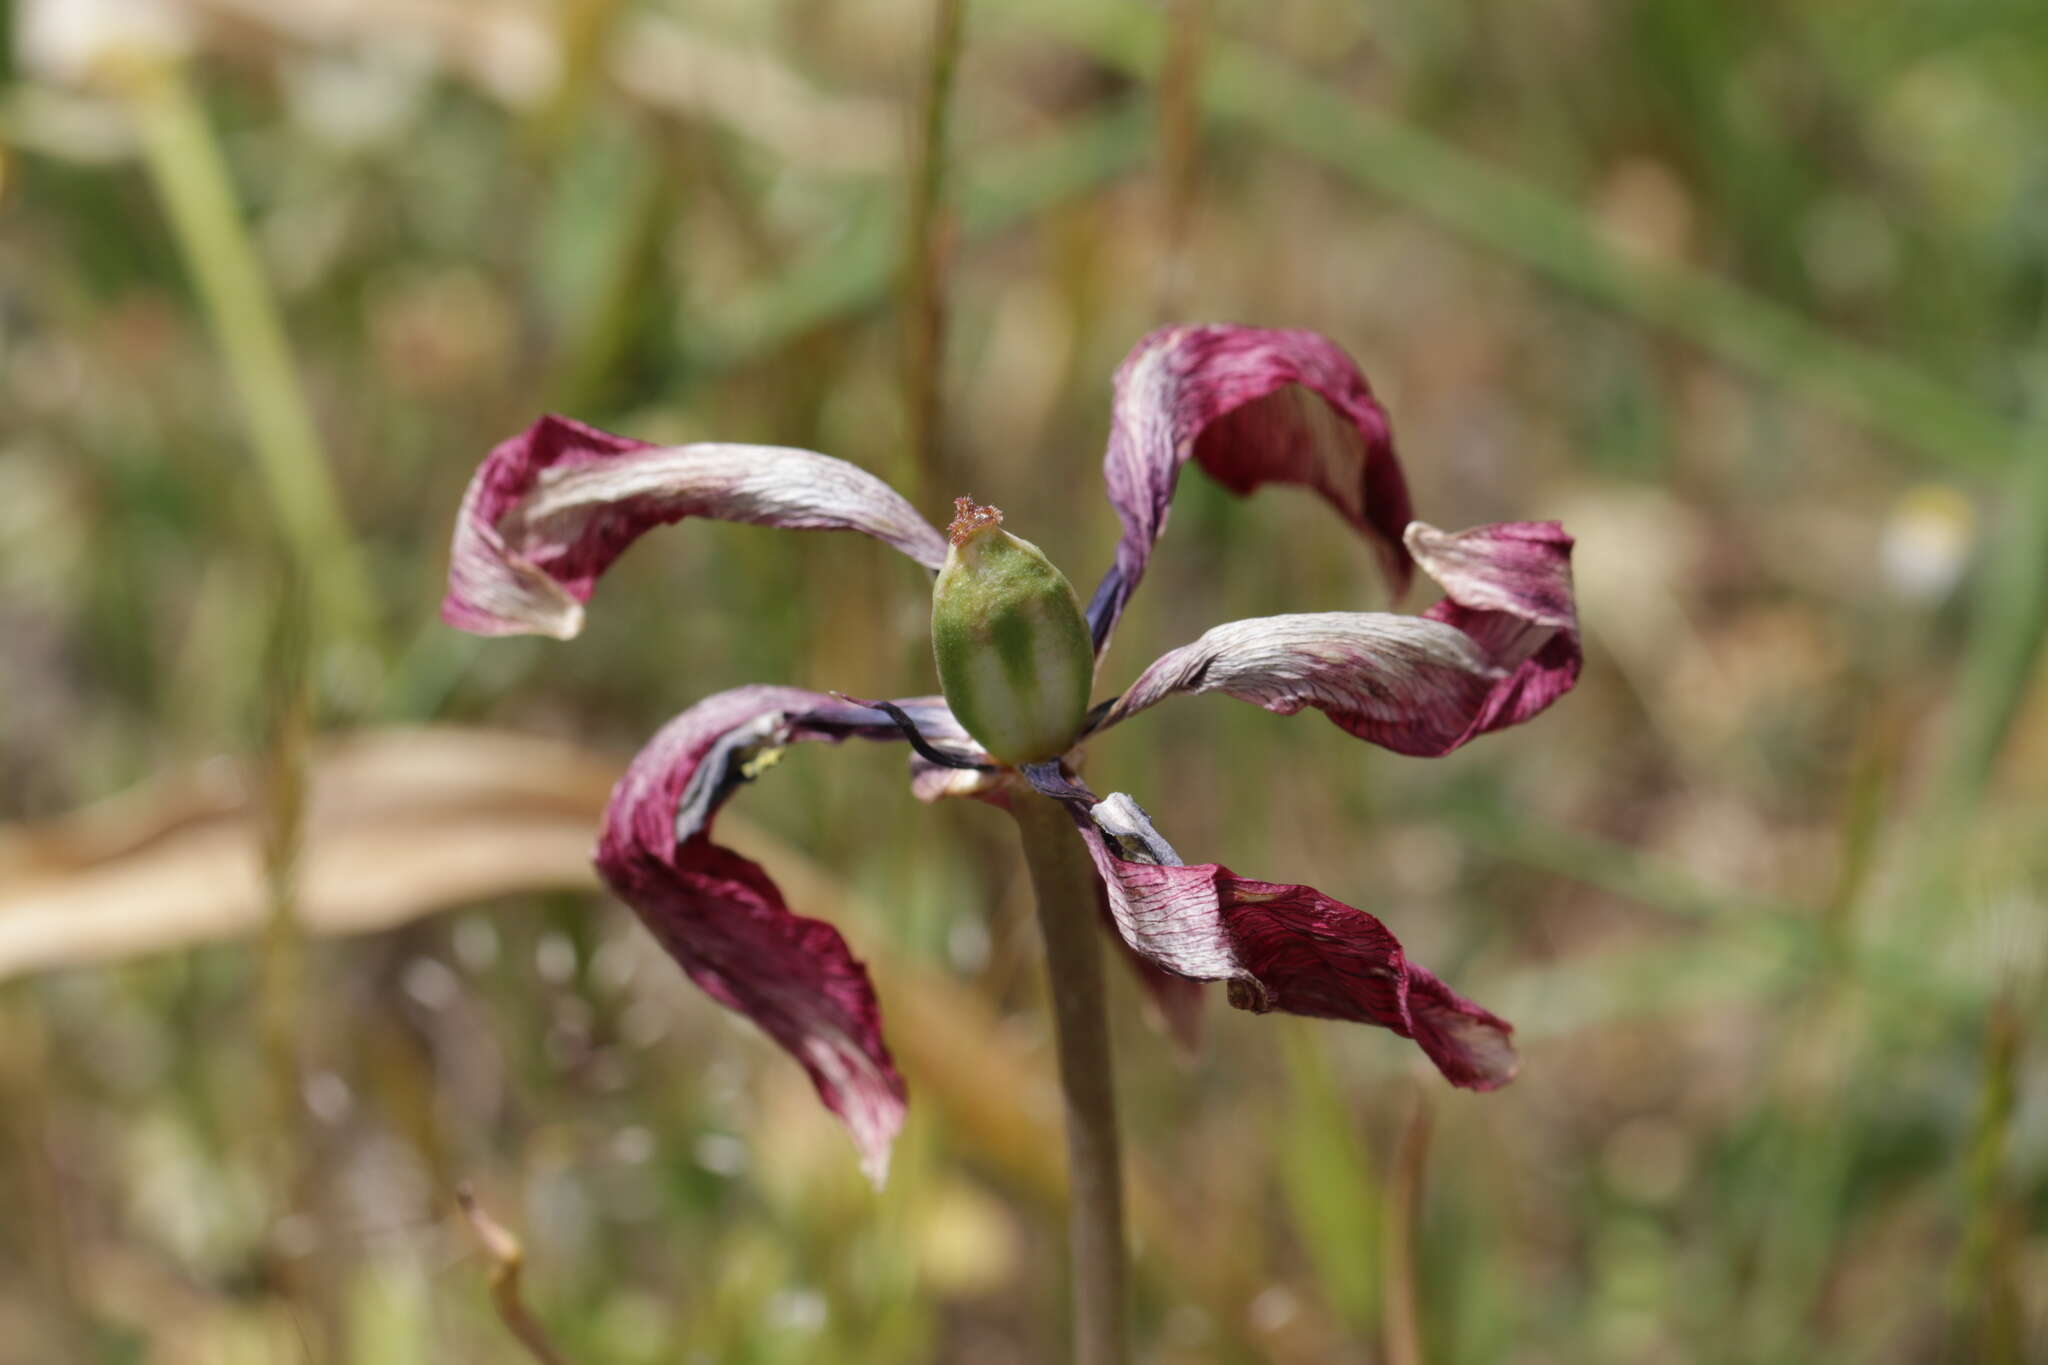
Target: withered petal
x,y
724,921
1252,407
1501,646
1279,946
1509,587
550,509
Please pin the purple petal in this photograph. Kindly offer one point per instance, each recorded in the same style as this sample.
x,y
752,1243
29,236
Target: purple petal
x,y
1501,646
1283,946
723,920
1253,407
550,509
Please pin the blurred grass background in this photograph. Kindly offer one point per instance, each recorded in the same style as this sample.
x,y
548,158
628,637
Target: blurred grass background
x,y
1750,297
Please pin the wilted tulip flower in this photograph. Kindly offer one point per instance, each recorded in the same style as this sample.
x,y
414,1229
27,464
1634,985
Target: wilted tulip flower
x,y
551,509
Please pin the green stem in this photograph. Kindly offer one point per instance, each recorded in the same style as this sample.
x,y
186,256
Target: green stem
x,y
192,180
1065,883
1984,1317
2004,651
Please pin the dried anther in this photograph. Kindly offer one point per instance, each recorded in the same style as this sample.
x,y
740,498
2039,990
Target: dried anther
x,y
968,518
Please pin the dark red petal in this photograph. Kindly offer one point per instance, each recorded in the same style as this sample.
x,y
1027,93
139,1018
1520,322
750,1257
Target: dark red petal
x,y
1253,407
1282,946
550,509
725,922
1502,646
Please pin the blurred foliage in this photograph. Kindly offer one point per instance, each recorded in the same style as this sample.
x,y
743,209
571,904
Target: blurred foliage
x,y
1750,297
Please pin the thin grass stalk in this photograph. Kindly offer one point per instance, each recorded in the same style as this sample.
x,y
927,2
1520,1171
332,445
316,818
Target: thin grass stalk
x,y
931,228
1336,1196
1800,1234
508,1259
582,29
1807,1153
1872,776
2011,620
616,323
1064,882
2001,661
281,792
1401,1291
41,1222
192,180
282,789
1180,125
856,271
1985,1318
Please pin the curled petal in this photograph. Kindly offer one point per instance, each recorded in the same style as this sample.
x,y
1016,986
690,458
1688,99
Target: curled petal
x,y
1282,946
1405,681
1509,587
1252,407
1501,646
724,921
550,509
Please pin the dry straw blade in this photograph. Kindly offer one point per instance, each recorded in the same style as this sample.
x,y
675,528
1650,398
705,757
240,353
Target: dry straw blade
x,y
399,823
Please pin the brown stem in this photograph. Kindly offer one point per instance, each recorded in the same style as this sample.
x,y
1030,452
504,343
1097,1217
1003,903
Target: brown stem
x,y
1403,1328
924,301
1065,883
507,1257
1985,1317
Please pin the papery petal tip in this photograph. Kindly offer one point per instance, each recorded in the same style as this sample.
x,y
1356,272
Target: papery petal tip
x,y
549,510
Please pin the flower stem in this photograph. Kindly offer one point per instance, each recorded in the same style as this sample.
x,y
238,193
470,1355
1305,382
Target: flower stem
x,y
1065,883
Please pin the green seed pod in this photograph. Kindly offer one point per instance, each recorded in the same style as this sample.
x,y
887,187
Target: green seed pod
x,y
1014,654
